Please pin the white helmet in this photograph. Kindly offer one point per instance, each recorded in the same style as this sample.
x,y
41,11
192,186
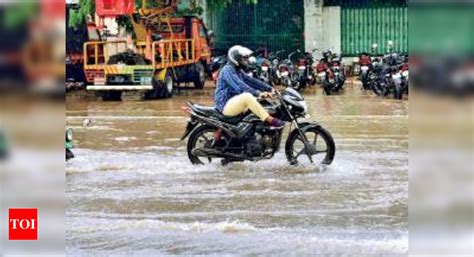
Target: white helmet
x,y
238,55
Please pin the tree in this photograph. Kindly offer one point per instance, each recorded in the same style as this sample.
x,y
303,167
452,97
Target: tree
x,y
79,16
87,7
221,4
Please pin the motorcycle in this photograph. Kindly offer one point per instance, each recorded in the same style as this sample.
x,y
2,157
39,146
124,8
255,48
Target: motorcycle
x,y
330,74
216,64
305,72
388,76
365,63
274,61
336,67
263,71
259,68
284,73
245,137
405,73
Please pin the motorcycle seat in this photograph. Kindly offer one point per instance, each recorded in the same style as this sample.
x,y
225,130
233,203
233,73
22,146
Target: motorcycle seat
x,y
211,111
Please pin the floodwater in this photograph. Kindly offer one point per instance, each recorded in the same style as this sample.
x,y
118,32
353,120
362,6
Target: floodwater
x,y
132,190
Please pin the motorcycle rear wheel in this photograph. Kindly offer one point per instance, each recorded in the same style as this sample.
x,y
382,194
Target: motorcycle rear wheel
x,y
397,93
201,137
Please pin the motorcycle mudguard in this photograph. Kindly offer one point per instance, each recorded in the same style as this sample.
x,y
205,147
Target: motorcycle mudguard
x,y
190,127
303,127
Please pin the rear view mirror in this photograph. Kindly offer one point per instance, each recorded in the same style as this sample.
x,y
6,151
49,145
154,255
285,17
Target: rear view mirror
x,y
390,45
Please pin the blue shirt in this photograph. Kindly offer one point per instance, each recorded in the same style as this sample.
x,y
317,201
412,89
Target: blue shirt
x,y
232,82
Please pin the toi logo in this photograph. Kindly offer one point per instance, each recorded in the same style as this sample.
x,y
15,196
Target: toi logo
x,y
23,224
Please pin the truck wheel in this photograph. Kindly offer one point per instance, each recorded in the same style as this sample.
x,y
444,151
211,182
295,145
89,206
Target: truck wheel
x,y
200,76
161,89
112,96
167,85
155,92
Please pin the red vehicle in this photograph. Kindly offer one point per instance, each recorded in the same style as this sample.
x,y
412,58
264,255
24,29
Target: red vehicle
x,y
365,63
166,51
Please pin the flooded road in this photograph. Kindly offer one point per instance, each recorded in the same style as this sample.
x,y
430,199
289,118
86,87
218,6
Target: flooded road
x,y
132,190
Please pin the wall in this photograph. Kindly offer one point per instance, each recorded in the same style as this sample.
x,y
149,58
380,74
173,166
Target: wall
x,y
313,25
332,29
322,27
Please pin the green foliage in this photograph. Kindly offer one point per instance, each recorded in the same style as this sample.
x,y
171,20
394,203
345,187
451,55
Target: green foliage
x,y
87,7
19,14
125,22
221,4
196,11
78,17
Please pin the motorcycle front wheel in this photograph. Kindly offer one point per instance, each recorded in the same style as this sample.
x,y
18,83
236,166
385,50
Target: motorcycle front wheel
x,y
317,136
296,84
327,87
379,89
398,93
201,137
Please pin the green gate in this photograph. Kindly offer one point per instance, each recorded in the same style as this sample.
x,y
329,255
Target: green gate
x,y
274,24
362,26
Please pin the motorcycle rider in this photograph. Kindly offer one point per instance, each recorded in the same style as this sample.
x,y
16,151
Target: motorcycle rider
x,y
237,92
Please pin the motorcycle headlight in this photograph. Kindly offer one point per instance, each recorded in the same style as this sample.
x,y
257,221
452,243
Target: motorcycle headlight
x,y
69,134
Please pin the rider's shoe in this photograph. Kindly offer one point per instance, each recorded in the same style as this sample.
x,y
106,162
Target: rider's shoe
x,y
277,123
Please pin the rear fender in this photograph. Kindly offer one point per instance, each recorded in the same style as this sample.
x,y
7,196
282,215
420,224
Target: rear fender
x,y
190,127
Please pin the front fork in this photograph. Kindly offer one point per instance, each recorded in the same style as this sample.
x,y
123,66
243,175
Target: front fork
x,y
310,149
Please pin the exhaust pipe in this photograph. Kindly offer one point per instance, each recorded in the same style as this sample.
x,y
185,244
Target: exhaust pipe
x,y
208,152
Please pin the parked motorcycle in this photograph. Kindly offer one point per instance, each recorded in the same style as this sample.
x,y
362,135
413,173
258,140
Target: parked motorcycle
x,y
216,64
336,67
330,72
246,137
365,63
389,76
285,73
275,59
405,72
259,68
305,73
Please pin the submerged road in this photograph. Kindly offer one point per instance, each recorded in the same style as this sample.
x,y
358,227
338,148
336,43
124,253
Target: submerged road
x,y
132,190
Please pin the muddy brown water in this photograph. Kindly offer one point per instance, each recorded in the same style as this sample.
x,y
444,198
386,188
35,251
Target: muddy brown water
x,y
132,190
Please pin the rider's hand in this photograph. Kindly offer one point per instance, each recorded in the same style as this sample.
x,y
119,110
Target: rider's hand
x,y
265,95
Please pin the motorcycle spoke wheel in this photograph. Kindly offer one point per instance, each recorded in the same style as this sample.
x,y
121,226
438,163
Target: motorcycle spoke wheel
x,y
205,141
300,152
201,138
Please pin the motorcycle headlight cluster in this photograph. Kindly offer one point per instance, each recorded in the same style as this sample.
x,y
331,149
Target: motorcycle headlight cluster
x,y
299,104
304,105
69,135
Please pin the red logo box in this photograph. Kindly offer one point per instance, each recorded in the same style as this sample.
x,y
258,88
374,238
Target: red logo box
x,y
22,224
